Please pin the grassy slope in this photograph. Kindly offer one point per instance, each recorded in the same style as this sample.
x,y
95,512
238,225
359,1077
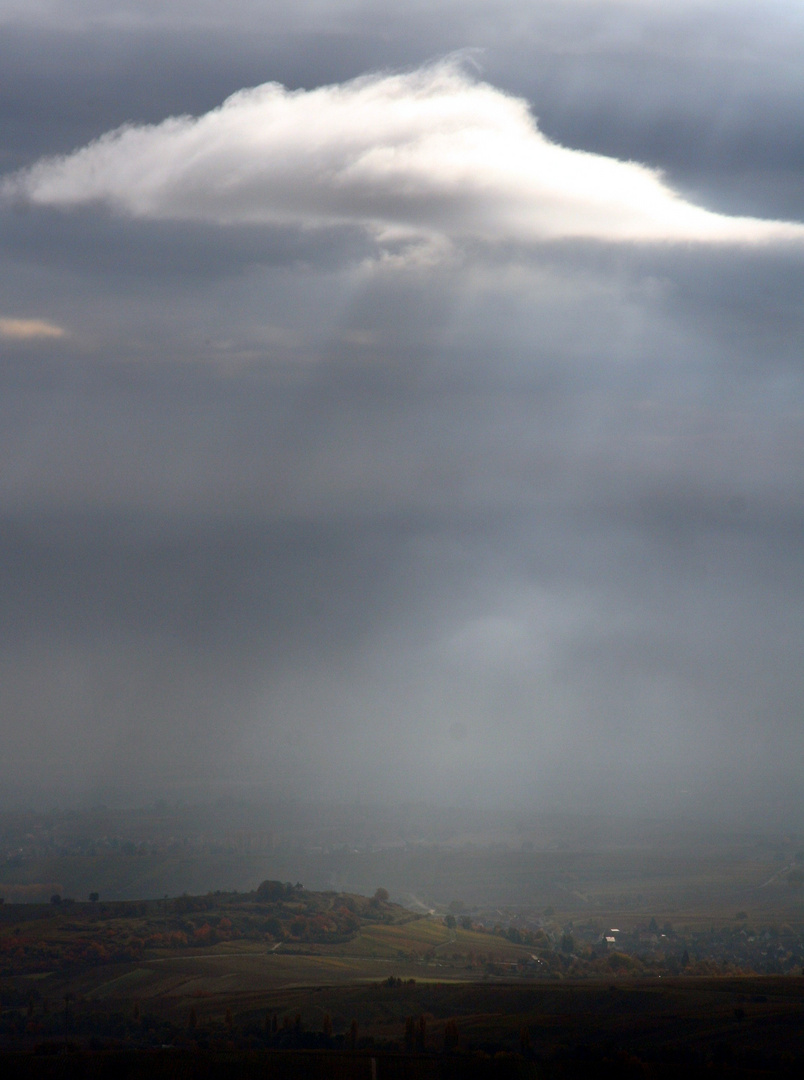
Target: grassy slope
x,y
421,949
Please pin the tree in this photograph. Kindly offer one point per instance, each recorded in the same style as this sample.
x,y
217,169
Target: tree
x,y
410,1034
273,927
450,922
269,892
450,1036
421,1033
94,897
353,1035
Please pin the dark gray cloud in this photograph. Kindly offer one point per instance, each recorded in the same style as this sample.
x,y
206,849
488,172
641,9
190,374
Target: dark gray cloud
x,y
523,524
91,242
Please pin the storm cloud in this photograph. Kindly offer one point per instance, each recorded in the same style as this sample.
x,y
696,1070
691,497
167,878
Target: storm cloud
x,y
400,428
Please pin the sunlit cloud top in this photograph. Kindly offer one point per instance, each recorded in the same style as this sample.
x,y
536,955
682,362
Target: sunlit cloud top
x,y
26,329
431,153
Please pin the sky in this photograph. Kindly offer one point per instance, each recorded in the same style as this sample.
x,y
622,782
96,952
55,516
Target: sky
x,y
403,402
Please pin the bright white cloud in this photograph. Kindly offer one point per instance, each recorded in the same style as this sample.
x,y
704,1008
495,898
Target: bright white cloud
x,y
26,329
432,153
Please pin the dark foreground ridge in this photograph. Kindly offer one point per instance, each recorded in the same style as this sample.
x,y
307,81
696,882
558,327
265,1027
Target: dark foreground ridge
x,y
298,1065
737,1027
301,1065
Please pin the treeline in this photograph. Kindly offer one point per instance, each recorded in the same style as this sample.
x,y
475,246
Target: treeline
x,y
61,937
